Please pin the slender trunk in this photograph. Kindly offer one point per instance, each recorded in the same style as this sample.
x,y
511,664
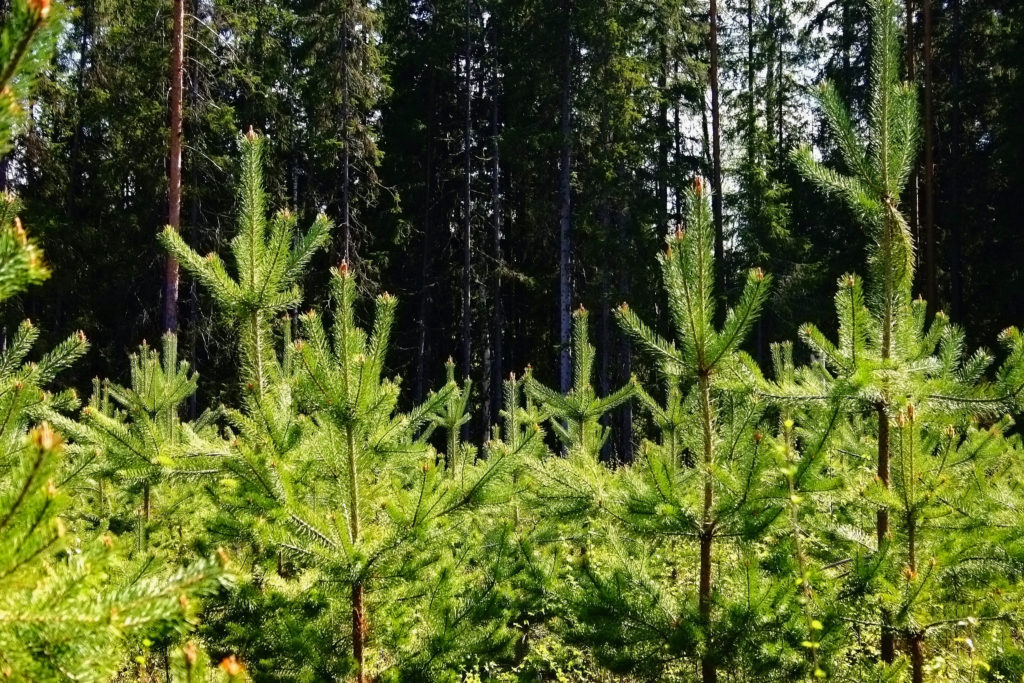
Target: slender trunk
x,y
929,162
497,320
769,72
625,426
677,209
751,152
565,208
170,314
751,95
911,75
74,154
346,155
956,143
5,160
916,637
664,140
419,386
192,306
359,630
912,543
888,643
604,363
716,155
358,604
847,41
780,60
917,657
709,673
467,199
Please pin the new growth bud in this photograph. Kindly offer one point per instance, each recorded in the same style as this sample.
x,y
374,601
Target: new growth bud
x,y
40,7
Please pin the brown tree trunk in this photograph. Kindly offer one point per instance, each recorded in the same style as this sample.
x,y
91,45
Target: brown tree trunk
x,y
170,313
359,631
917,657
716,154
911,75
929,162
467,198
565,207
888,642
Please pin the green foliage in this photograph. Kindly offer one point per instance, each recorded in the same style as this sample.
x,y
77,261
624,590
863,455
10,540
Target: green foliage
x,y
27,42
338,492
574,417
269,257
66,611
911,420
855,516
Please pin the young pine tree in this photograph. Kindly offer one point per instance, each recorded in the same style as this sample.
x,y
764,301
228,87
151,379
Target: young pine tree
x,y
713,500
334,491
270,256
916,406
641,588
574,417
133,443
63,613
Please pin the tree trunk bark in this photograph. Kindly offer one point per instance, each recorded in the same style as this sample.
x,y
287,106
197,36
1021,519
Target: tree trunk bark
x,y
917,657
911,76
625,423
716,156
664,139
888,643
346,161
956,133
170,313
565,208
419,386
929,162
709,673
497,314
467,199
359,631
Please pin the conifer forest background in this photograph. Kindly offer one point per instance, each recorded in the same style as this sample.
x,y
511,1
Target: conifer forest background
x,y
511,340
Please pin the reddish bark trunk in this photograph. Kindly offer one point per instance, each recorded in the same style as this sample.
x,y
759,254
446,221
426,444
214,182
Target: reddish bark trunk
x,y
359,631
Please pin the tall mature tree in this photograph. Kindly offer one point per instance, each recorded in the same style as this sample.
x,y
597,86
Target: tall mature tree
x,y
175,132
565,206
716,143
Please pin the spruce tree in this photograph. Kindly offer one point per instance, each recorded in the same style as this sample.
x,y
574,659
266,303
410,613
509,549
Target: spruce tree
x,y
910,395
